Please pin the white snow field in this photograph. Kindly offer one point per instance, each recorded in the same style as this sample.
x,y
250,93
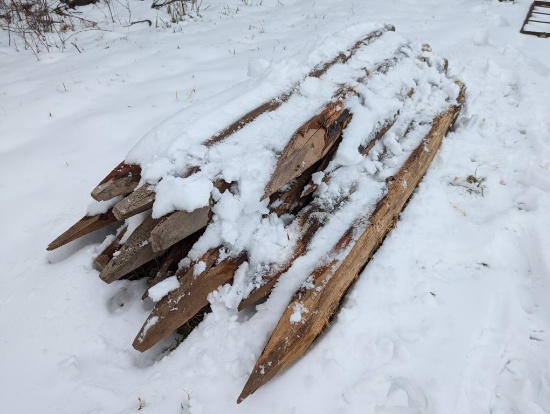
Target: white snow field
x,y
452,315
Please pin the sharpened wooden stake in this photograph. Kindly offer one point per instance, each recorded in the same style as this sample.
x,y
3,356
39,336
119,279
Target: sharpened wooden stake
x,y
84,226
121,181
318,303
170,262
107,254
309,144
134,253
180,305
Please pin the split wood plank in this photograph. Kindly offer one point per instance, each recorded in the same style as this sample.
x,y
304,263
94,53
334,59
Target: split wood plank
x,y
309,144
331,281
84,226
177,225
121,181
137,202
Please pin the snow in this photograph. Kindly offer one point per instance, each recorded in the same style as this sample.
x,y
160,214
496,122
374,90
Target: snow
x,y
451,315
175,193
101,207
161,289
296,316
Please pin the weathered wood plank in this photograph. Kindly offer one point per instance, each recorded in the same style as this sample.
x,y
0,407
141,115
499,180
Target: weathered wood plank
x,y
84,226
290,339
137,202
121,181
178,226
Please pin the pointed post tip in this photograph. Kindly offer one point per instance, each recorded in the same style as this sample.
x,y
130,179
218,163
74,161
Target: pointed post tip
x,y
138,345
259,377
248,390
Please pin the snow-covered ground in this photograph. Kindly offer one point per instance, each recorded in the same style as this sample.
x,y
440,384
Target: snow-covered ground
x,y
452,315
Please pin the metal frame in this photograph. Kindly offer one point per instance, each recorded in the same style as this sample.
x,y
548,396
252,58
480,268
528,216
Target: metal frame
x,y
532,19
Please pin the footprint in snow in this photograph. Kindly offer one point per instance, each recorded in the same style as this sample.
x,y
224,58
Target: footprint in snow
x,y
123,300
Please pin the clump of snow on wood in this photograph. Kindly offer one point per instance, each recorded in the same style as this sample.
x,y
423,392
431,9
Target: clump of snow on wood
x,y
175,193
161,289
297,311
199,268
